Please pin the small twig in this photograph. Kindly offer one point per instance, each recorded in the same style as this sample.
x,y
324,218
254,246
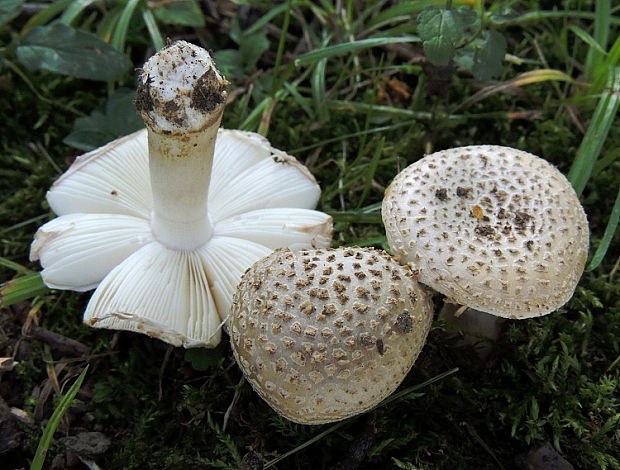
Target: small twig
x,y
472,432
232,404
162,370
58,342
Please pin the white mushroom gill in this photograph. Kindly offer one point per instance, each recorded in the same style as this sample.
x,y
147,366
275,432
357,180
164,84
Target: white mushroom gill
x,y
165,221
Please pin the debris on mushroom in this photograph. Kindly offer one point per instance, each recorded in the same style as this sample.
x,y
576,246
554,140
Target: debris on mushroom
x,y
492,228
322,335
165,221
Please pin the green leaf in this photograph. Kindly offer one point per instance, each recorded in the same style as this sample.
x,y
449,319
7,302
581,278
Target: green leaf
x,y
439,31
592,143
54,421
202,359
184,13
442,30
22,288
62,49
489,57
464,58
610,230
252,48
119,118
9,9
438,51
229,62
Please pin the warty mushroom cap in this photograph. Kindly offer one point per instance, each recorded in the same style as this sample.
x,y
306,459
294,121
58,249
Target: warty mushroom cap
x,y
322,335
493,228
164,226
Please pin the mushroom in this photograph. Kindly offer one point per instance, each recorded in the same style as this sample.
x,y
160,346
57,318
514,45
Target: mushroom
x,y
322,335
165,221
492,228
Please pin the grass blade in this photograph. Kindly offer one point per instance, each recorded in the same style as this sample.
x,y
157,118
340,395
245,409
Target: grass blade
x,y
377,154
271,14
400,12
610,230
544,15
282,40
526,78
45,15
353,135
120,32
350,47
318,89
73,11
593,141
52,424
7,263
602,26
108,23
149,20
612,59
22,288
589,40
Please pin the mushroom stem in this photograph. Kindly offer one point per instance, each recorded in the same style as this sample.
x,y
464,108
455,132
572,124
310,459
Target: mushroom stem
x,y
180,168
181,97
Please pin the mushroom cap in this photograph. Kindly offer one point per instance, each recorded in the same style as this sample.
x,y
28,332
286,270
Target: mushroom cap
x,y
322,335
493,228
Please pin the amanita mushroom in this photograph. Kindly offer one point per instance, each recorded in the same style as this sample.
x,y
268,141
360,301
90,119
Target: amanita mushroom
x,y
492,228
166,220
322,335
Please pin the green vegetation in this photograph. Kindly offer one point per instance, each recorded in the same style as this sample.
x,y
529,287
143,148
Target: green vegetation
x,y
357,90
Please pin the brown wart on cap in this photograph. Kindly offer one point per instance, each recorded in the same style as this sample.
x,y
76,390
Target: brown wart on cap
x,y
326,334
493,228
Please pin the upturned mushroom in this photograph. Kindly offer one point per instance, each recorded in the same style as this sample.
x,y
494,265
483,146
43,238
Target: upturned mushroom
x,y
165,221
492,228
322,335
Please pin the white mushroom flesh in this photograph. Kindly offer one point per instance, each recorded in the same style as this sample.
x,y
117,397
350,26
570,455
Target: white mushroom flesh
x,y
326,334
493,228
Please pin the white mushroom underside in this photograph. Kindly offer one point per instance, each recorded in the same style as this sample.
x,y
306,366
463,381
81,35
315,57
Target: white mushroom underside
x,y
496,229
78,250
173,294
104,233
